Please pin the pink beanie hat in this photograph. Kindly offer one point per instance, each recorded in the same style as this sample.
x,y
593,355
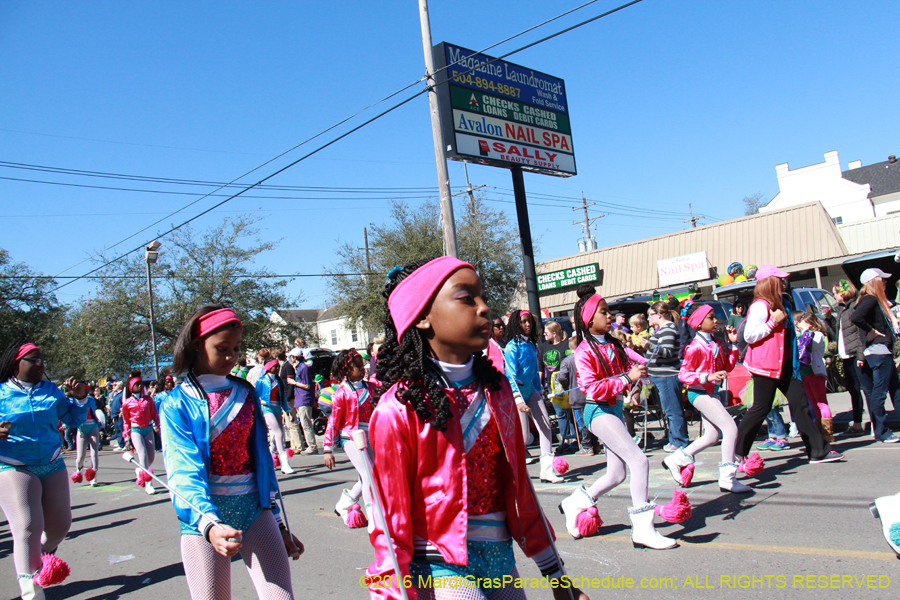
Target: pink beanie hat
x,y
698,315
413,294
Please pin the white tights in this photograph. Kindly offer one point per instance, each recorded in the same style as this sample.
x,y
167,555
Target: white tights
x,y
539,413
716,420
363,485
39,515
620,451
209,573
92,440
144,447
276,435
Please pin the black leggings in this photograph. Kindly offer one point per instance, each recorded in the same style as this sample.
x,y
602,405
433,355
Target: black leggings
x,y
763,397
853,385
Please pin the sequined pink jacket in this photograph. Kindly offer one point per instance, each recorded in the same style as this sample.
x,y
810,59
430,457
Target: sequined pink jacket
x,y
595,386
420,474
702,358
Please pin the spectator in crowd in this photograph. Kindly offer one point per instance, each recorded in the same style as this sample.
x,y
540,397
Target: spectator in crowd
x,y
115,413
263,356
568,379
850,351
498,331
737,314
619,323
663,365
304,401
288,375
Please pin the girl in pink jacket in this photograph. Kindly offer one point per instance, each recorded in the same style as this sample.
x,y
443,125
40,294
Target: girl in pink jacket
x,y
351,409
706,364
140,420
605,371
448,450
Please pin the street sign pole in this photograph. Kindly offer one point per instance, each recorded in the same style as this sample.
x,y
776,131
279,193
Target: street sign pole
x,y
447,222
534,303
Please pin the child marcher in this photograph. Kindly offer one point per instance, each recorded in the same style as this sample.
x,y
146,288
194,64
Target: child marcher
x,y
271,396
448,449
34,492
217,457
140,421
88,436
605,372
351,409
706,365
811,344
521,361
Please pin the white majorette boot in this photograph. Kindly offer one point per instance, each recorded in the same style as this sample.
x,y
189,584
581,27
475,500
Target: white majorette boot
x,y
887,508
727,480
580,519
285,466
547,472
677,461
30,590
342,508
643,532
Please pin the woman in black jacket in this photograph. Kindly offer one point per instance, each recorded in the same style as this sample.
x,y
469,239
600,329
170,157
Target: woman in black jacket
x,y
872,315
850,351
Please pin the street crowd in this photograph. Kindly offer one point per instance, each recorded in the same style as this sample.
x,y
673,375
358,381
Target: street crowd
x,y
436,418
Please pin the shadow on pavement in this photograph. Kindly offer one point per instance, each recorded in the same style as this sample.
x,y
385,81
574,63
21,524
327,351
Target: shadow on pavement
x,y
122,584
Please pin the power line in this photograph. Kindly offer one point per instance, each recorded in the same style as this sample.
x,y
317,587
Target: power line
x,y
174,276
327,144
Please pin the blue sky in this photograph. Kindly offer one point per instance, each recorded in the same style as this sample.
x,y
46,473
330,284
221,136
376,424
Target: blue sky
x,y
670,103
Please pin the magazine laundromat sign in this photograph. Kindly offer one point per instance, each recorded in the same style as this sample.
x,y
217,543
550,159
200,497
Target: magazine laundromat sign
x,y
502,114
568,277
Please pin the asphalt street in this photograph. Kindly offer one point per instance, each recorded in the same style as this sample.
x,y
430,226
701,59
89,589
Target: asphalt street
x,y
804,532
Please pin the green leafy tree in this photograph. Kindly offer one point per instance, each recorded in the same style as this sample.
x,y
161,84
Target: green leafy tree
x,y
28,306
485,238
111,332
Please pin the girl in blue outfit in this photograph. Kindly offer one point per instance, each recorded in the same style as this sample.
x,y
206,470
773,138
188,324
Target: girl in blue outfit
x,y
520,356
34,492
88,436
271,396
217,457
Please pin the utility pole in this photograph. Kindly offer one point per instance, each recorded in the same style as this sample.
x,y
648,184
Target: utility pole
x,y
470,189
587,222
447,222
693,220
368,258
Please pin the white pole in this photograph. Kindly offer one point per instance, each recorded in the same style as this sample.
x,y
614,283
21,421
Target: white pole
x,y
447,221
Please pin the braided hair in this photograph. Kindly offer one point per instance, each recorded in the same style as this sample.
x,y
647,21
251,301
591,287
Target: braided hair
x,y
8,359
582,329
405,362
513,327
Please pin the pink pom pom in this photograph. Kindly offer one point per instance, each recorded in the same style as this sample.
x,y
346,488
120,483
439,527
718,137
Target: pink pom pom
x,y
89,474
53,570
588,521
143,478
276,460
289,452
560,465
355,518
754,465
676,511
687,474
76,477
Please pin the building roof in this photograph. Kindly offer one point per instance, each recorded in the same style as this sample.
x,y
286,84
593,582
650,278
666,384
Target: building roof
x,y
299,315
883,177
795,237
871,235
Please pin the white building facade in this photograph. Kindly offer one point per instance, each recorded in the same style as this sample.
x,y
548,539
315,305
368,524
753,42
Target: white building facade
x,y
857,194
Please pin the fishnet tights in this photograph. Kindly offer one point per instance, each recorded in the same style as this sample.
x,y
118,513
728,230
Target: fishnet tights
x,y
209,573
38,512
461,592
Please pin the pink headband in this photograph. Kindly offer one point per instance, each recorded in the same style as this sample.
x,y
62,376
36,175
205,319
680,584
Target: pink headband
x,y
270,364
131,382
698,315
25,349
211,321
413,294
589,308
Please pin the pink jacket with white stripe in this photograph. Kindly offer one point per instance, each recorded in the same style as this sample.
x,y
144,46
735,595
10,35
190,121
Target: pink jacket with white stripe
x,y
703,357
765,338
595,386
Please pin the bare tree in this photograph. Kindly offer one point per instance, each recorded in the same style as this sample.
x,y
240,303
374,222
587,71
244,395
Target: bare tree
x,y
753,203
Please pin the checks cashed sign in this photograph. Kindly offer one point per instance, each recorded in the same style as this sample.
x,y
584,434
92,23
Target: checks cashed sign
x,y
682,269
568,277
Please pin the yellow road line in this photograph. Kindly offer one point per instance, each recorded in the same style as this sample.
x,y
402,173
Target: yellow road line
x,y
764,548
